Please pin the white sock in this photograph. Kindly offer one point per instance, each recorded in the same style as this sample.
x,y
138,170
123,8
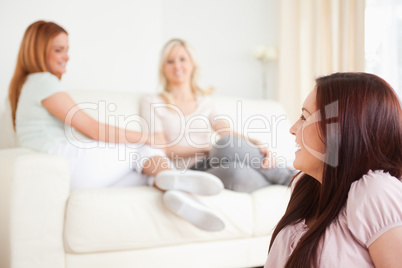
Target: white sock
x,y
196,182
190,209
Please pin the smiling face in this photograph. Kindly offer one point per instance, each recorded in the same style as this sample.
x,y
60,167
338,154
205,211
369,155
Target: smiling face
x,y
311,148
57,55
178,67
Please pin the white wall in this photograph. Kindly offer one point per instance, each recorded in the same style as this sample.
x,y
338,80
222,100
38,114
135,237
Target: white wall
x,y
115,45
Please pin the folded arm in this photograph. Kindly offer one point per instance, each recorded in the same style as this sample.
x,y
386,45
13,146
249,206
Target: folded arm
x,y
173,150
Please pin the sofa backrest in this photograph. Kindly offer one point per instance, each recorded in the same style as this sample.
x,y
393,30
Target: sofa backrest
x,y
260,119
7,134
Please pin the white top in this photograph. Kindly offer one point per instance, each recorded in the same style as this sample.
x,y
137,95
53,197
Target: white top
x,y
373,207
193,130
36,128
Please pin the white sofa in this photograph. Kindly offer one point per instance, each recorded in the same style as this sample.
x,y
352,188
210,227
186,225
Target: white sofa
x,y
44,225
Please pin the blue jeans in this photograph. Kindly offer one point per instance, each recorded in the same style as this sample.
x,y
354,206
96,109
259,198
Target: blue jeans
x,y
238,164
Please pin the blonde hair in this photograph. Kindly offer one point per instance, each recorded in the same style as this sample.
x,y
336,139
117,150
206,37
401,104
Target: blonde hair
x,y
31,57
167,48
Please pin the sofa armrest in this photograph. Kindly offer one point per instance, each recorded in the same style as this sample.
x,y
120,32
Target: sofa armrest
x,y
7,158
40,186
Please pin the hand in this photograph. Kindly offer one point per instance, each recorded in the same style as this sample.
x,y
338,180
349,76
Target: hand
x,y
207,149
268,161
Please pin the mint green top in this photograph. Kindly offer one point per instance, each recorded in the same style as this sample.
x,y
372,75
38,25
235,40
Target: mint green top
x,y
36,128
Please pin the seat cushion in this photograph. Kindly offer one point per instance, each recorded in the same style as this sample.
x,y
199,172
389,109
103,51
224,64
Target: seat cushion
x,y
270,204
112,219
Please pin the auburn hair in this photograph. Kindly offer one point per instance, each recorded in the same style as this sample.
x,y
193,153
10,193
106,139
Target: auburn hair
x,y
31,57
361,126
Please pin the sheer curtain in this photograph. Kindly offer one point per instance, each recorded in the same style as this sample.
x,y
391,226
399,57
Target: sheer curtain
x,y
384,41
317,37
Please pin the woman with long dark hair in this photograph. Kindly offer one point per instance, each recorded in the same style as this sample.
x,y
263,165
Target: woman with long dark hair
x,y
346,204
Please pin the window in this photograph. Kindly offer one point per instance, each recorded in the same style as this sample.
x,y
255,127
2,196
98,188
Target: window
x,y
383,41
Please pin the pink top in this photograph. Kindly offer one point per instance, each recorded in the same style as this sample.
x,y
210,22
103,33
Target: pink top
x,y
374,206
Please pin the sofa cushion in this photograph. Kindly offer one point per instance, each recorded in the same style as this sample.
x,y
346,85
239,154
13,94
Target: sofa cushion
x,y
135,218
270,204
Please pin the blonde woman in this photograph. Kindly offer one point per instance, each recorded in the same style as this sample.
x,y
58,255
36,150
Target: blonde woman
x,y
183,117
41,109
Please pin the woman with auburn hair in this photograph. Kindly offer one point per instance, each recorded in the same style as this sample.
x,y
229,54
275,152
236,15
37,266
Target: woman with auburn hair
x,y
32,58
183,121
345,208
41,109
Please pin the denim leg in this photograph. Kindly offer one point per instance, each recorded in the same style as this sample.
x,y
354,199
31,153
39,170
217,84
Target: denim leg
x,y
201,165
236,162
234,149
281,176
238,177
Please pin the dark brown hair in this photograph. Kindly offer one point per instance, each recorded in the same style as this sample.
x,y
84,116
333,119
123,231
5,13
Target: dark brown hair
x,y
31,57
360,123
